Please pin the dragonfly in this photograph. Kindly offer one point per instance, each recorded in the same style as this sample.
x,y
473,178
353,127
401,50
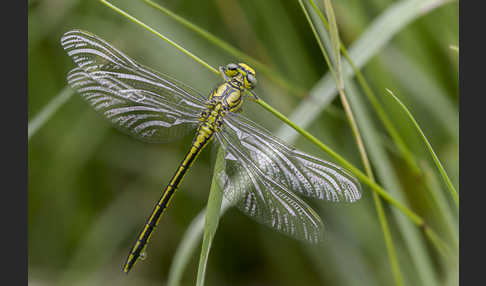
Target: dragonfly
x,y
261,175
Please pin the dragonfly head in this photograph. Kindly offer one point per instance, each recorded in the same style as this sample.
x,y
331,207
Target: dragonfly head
x,y
241,74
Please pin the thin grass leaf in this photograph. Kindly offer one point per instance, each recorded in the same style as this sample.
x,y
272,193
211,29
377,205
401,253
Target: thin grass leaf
x,y
454,48
213,211
48,111
437,163
424,90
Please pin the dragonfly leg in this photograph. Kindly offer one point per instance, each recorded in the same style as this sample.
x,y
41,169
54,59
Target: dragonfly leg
x,y
251,95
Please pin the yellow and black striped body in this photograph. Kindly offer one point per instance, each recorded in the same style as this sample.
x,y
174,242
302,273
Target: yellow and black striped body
x,y
225,98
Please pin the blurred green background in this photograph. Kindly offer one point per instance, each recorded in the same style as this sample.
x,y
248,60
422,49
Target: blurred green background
x,y
91,187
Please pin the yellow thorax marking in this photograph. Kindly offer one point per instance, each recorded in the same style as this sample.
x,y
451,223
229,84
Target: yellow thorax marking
x,y
250,69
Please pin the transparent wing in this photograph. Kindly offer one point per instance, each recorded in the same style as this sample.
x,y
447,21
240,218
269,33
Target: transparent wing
x,y
263,199
141,102
292,168
262,172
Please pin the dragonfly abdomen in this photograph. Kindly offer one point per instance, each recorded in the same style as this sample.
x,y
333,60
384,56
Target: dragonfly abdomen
x,y
201,140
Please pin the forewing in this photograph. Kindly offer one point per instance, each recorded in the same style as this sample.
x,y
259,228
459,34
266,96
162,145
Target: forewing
x,y
262,198
148,105
291,168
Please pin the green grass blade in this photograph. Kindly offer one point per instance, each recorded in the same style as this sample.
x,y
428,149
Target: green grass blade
x,y
437,163
212,218
423,90
48,111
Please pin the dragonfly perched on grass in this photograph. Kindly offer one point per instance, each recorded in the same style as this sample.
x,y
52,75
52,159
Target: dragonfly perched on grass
x,y
261,173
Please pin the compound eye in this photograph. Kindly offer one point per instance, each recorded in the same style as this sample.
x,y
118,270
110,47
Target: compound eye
x,y
231,70
232,67
251,79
